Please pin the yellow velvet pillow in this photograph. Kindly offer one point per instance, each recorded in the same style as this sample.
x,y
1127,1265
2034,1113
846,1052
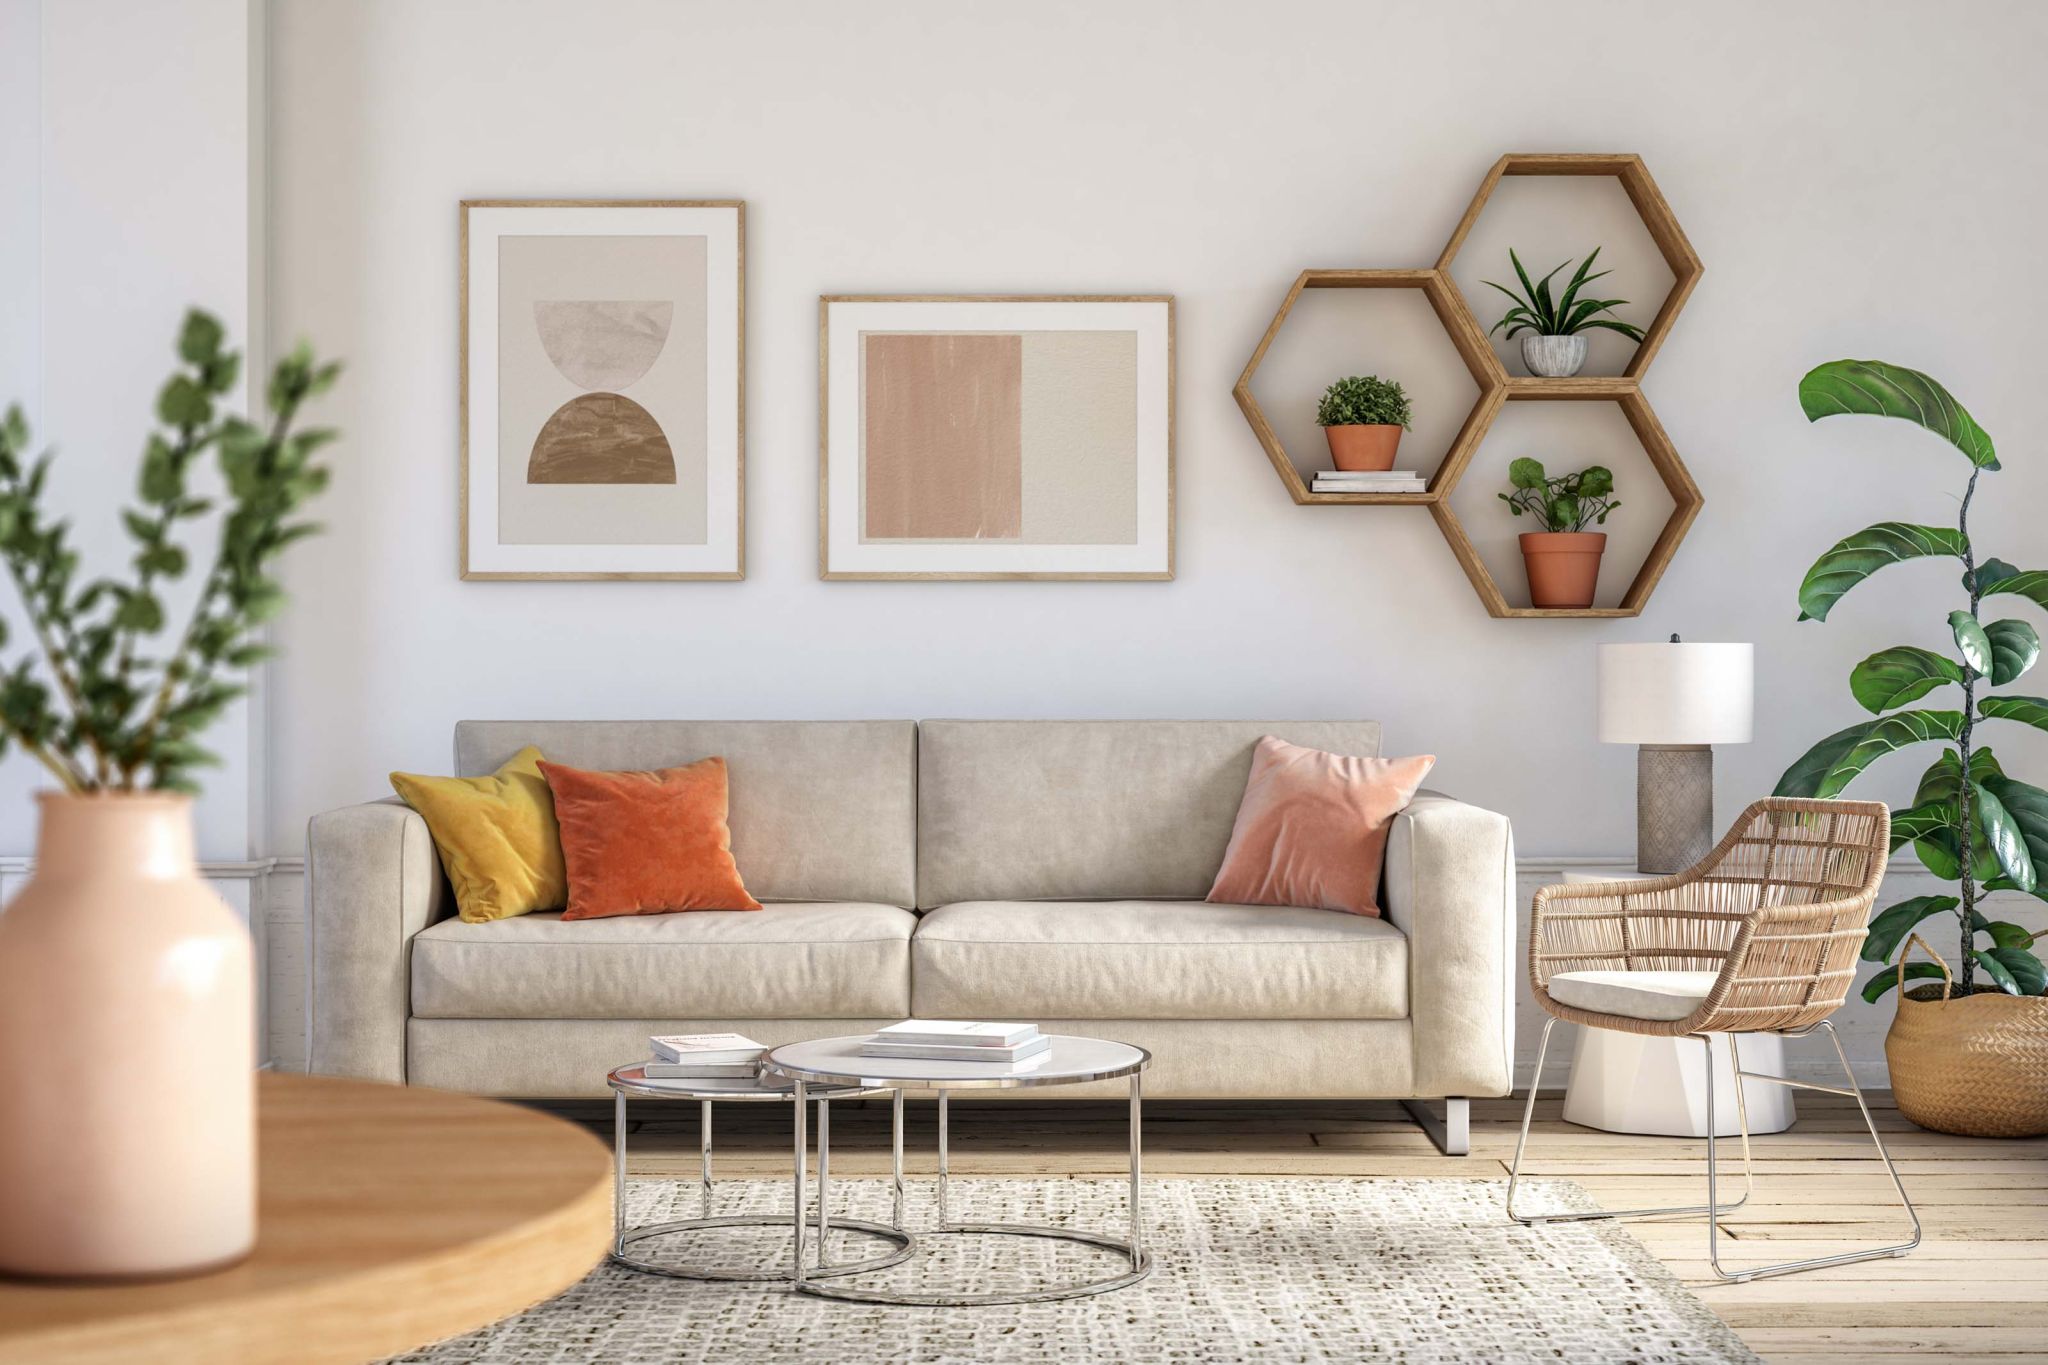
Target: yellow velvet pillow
x,y
497,836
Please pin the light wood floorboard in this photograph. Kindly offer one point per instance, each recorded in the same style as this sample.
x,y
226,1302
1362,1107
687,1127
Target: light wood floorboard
x,y
1977,1288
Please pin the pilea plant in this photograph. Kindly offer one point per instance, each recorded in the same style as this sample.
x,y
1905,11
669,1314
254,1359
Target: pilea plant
x,y
1570,502
1535,310
1366,400
95,701
1970,823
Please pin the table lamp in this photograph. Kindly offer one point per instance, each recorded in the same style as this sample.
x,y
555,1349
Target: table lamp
x,y
1674,702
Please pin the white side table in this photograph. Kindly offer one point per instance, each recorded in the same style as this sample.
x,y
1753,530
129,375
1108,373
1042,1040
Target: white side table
x,y
1628,1083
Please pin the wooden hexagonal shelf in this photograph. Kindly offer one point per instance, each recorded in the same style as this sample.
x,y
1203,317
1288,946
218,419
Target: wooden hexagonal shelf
x,y
1649,204
1685,497
1464,335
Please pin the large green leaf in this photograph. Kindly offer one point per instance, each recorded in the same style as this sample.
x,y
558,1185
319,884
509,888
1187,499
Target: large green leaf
x,y
1941,852
1889,927
1943,779
1833,763
2008,845
1889,977
1989,963
1918,822
1903,673
1878,389
2014,647
1996,576
2026,807
1851,560
2026,710
1971,641
2026,970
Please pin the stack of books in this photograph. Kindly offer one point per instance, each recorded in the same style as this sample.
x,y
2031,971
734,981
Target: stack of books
x,y
707,1061
957,1040
1369,481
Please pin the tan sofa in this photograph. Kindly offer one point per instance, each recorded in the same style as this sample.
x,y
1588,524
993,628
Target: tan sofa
x,y
1043,870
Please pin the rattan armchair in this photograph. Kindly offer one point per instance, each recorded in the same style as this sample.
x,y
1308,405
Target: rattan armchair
x,y
1760,936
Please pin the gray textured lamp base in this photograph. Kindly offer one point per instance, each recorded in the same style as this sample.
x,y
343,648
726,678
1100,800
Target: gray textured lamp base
x,y
1674,806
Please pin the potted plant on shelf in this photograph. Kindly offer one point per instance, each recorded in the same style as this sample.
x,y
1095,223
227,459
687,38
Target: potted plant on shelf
x,y
1362,418
117,948
1555,346
1562,559
1967,1056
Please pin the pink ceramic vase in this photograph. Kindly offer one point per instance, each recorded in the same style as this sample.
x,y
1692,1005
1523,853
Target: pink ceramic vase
x,y
127,1051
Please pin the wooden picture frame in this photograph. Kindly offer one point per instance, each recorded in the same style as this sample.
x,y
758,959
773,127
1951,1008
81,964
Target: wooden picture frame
x,y
603,344
993,437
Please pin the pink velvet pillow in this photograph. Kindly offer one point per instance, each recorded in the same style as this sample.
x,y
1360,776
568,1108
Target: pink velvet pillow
x,y
1312,828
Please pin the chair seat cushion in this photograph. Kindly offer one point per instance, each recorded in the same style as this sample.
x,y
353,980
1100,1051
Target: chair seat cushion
x,y
809,960
1660,996
1155,960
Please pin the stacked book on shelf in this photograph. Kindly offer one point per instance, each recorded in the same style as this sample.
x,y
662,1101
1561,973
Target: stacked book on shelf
x,y
957,1040
707,1061
1369,481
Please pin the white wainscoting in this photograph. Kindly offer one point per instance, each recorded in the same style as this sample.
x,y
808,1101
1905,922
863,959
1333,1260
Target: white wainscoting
x,y
278,889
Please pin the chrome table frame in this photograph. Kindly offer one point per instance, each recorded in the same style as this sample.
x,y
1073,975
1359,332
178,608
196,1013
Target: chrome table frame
x,y
1713,1208
1132,1246
623,1236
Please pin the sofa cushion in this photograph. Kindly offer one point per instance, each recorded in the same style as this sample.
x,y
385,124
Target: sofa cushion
x,y
1659,995
801,961
1155,960
1087,809
821,810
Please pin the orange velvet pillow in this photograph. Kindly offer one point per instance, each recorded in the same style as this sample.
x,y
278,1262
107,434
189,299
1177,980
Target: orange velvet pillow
x,y
1312,828
646,843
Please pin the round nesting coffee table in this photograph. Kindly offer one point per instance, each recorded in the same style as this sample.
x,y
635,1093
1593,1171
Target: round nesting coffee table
x,y
837,1063
631,1080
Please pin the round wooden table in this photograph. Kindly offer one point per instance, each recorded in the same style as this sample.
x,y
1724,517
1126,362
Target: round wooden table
x,y
388,1218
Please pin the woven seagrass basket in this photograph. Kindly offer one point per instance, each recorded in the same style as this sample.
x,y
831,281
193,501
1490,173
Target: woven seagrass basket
x,y
1975,1065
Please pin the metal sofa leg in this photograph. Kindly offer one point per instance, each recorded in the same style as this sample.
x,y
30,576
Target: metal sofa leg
x,y
1452,1131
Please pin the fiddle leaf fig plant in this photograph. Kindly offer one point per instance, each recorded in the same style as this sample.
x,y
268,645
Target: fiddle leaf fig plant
x,y
1569,502
1970,822
97,698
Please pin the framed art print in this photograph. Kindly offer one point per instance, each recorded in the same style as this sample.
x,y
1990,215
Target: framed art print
x,y
1000,436
603,389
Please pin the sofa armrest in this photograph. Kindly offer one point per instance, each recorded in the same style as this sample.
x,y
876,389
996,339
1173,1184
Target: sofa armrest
x,y
373,881
1450,887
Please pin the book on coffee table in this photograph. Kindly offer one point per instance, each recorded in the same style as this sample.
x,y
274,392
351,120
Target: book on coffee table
x,y
710,1048
1030,1047
956,1033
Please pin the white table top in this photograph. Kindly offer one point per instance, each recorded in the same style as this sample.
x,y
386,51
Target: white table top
x,y
837,1061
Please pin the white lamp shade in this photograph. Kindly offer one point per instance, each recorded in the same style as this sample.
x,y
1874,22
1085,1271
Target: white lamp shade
x,y
1676,693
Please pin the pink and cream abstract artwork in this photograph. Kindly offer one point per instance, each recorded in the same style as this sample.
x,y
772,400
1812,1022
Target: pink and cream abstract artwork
x,y
602,346
997,437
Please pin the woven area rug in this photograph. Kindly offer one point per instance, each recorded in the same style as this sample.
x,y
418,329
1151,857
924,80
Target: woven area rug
x,y
1251,1270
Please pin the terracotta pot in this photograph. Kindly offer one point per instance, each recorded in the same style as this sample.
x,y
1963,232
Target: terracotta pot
x,y
127,1051
1564,566
1364,447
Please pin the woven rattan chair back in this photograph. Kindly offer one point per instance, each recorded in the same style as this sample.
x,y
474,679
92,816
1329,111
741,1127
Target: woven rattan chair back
x,y
1779,909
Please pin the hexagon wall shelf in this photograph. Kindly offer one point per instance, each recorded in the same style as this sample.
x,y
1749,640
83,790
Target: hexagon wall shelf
x,y
1650,207
1464,336
1497,387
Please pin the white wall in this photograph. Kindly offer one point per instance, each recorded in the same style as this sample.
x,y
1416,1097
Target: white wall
x,y
131,138
1850,172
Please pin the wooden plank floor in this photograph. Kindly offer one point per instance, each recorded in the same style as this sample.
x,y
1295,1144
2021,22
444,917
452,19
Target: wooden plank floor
x,y
1976,1289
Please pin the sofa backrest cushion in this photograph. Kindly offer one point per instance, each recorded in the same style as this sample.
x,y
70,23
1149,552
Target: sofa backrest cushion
x,y
820,810
1090,810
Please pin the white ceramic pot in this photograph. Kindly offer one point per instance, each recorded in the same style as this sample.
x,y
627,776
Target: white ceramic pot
x,y
127,1051
1553,357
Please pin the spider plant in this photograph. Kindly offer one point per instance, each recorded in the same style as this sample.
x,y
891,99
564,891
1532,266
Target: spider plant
x,y
1566,315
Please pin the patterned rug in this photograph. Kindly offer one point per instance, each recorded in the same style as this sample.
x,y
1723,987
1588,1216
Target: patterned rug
x,y
1246,1270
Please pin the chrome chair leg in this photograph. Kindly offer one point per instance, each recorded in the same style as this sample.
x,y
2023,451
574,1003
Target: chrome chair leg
x,y
1817,1262
1522,1142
